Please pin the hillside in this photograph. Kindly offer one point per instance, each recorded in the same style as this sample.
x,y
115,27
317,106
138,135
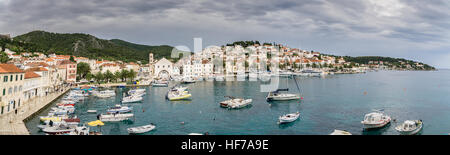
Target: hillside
x,y
86,45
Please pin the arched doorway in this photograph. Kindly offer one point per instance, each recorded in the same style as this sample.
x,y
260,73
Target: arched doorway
x,y
164,74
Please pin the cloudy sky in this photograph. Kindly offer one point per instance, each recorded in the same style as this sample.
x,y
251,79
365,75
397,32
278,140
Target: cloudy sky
x,y
413,29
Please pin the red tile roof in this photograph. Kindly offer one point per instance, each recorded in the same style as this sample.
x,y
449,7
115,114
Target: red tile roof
x,y
9,68
36,69
31,74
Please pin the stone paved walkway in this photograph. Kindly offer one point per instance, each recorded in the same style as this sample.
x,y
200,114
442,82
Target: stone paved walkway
x,y
12,124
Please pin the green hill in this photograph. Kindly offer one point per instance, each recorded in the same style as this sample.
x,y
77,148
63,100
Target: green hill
x,y
86,45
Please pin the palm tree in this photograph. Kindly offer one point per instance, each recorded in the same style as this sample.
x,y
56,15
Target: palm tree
x,y
132,74
124,75
108,76
117,75
99,77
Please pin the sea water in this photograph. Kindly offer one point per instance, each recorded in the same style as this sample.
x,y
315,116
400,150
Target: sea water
x,y
331,102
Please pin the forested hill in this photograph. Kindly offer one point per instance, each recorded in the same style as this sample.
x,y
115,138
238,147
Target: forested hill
x,y
86,45
398,62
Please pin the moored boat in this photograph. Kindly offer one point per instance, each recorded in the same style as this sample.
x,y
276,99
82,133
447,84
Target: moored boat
x,y
287,118
277,96
115,117
160,83
340,132
178,93
60,129
119,109
132,99
375,120
410,127
141,129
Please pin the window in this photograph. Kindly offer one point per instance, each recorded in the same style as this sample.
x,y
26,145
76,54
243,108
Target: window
x,y
21,77
17,77
10,91
4,91
15,89
11,79
3,107
5,79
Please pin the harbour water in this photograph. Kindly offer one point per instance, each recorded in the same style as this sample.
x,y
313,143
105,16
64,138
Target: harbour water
x,y
332,102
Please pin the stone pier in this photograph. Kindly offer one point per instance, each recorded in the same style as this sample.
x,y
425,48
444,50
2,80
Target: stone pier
x,y
13,124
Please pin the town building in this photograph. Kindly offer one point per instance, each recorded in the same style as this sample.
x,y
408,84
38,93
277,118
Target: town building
x,y
11,86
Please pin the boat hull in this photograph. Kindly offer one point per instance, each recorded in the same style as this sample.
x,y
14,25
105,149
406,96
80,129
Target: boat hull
x,y
375,126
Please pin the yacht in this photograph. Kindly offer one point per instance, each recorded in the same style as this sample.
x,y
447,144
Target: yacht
x,y
288,118
277,96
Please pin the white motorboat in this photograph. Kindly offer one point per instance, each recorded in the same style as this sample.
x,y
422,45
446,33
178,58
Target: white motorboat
x,y
288,118
60,129
137,94
136,91
132,99
236,103
187,80
141,129
160,83
119,109
192,134
375,120
178,94
104,94
92,111
410,127
80,130
58,112
241,77
46,124
209,78
340,132
220,78
264,76
253,75
115,117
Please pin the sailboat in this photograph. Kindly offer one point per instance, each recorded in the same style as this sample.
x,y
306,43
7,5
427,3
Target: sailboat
x,y
278,96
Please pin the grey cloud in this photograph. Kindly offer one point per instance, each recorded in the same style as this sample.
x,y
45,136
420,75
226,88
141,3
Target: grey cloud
x,y
324,24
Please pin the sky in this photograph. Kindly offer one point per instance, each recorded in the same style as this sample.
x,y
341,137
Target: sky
x,y
412,29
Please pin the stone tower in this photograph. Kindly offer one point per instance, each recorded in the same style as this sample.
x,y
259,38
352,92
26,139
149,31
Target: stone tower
x,y
150,58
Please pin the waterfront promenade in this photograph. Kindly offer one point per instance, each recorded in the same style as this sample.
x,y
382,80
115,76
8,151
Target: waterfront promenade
x,y
13,124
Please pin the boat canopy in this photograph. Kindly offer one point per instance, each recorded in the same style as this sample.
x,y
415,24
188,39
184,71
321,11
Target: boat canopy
x,y
96,123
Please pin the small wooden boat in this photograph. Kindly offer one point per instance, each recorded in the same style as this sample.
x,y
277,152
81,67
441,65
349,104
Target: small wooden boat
x,y
410,127
141,129
288,118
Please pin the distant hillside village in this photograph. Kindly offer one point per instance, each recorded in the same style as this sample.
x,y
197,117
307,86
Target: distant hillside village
x,y
227,60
